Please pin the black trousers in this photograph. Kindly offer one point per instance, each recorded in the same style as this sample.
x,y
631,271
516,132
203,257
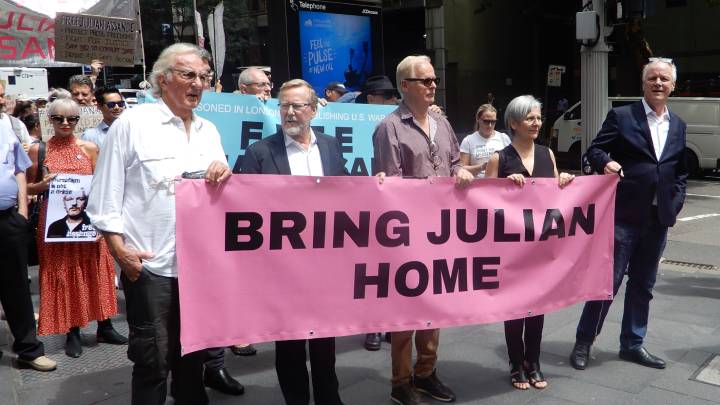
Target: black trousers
x,y
292,373
525,348
14,289
215,359
153,314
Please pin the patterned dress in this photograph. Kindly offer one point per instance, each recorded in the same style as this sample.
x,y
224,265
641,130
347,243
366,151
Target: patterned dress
x,y
77,279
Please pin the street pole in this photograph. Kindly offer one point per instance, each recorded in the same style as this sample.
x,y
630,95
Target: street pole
x,y
594,82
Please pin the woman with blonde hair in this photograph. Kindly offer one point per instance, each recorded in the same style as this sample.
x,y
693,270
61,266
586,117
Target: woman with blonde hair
x,y
476,148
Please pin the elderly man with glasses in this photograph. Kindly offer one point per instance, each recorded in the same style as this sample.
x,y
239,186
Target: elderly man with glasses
x,y
132,203
255,82
415,142
644,143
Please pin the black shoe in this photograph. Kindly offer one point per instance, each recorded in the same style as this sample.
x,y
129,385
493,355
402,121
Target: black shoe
x,y
248,350
107,334
73,344
433,387
642,357
407,395
372,342
580,355
221,380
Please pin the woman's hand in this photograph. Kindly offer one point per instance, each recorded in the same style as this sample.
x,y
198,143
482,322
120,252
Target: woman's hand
x,y
517,178
45,183
564,179
380,177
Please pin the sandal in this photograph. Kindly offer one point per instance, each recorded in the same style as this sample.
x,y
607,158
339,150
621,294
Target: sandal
x,y
517,376
535,376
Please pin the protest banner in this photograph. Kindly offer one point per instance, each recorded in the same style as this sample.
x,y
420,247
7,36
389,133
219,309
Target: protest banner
x,y
26,37
308,257
81,38
66,217
243,119
89,117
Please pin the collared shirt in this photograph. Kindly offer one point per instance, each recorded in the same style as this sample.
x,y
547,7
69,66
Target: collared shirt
x,y
96,134
16,127
13,160
659,127
133,189
403,149
304,162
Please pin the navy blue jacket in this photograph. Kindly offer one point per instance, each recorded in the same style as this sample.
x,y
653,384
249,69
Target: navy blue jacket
x,y
625,138
269,156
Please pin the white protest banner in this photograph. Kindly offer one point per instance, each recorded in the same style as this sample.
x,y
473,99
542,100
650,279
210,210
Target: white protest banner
x,y
82,38
89,117
66,217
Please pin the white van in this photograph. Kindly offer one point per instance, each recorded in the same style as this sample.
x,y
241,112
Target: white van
x,y
26,82
702,116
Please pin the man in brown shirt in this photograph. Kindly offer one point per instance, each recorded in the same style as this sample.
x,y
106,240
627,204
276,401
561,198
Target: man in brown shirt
x,y
415,142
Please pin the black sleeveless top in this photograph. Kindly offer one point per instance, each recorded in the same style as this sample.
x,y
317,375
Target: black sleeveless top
x,y
511,163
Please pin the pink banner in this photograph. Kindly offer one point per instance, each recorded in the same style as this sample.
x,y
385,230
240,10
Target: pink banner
x,y
266,257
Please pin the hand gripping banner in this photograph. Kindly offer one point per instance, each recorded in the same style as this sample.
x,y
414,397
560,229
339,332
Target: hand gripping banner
x,y
265,257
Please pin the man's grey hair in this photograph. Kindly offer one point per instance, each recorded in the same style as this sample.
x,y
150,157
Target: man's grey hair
x,y
63,104
295,83
406,68
80,80
518,109
166,61
247,76
654,61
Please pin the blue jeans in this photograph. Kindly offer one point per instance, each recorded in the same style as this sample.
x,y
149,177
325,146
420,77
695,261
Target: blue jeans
x,y
638,248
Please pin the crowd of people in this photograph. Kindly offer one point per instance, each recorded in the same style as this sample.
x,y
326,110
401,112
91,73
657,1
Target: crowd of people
x,y
135,153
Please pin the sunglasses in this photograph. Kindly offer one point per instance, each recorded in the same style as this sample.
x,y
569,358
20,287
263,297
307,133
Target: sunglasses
x,y
59,119
113,104
427,82
489,122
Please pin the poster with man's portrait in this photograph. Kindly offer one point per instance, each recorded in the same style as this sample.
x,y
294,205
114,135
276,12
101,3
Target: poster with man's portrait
x,y
67,220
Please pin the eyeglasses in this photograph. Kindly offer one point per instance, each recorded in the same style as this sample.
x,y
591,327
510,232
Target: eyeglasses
x,y
113,104
295,106
427,82
658,59
436,159
489,122
190,76
261,84
532,120
59,119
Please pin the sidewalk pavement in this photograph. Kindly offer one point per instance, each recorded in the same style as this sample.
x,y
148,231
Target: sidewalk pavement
x,y
684,329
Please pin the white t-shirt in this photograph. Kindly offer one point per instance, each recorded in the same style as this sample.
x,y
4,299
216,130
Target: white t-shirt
x,y
480,148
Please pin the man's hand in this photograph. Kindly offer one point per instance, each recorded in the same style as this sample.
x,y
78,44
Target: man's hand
x,y
217,172
96,66
463,178
613,167
130,262
436,109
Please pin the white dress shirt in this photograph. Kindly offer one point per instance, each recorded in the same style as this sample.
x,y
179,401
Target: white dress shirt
x,y
133,189
659,126
304,162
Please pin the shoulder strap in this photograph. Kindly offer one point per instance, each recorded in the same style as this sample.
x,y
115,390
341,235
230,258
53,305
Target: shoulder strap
x,y
41,162
15,124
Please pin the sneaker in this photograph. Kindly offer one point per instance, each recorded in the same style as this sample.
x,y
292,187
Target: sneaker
x,y
433,387
41,363
407,395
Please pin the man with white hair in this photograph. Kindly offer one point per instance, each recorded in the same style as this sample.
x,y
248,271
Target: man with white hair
x,y
415,142
254,81
132,203
644,143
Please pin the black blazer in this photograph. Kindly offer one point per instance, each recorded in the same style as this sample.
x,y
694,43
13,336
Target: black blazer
x,y
269,156
625,138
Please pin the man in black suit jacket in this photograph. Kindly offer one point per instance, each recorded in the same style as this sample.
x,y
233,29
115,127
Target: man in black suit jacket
x,y
644,143
297,150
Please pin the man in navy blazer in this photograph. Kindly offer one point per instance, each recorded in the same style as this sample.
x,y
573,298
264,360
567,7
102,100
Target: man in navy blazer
x,y
644,143
298,150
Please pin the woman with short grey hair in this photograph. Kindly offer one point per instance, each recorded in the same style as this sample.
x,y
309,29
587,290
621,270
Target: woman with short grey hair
x,y
523,158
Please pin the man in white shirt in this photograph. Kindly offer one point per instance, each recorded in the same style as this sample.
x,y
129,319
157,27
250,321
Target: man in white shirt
x,y
297,150
111,105
132,203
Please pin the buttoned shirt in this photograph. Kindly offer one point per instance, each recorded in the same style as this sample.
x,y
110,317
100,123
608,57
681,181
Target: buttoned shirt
x,y
96,134
133,189
659,127
402,148
304,162
16,127
13,160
